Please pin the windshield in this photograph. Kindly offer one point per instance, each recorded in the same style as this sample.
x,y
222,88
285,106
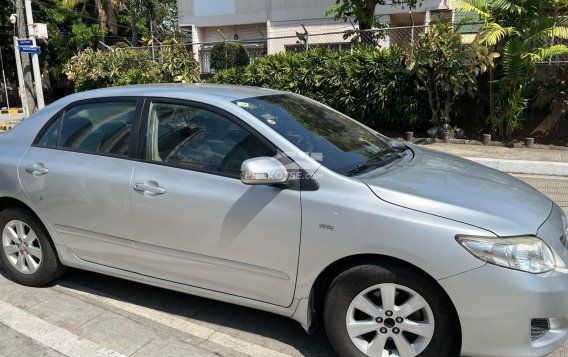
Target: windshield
x,y
336,141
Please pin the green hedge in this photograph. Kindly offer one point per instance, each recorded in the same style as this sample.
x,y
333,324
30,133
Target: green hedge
x,y
371,85
228,55
92,69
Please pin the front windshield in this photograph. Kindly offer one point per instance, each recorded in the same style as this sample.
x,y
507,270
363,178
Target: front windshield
x,y
336,141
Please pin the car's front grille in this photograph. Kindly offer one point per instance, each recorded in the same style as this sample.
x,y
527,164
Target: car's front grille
x,y
539,328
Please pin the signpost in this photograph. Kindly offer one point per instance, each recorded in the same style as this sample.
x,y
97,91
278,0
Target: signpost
x,y
25,42
36,50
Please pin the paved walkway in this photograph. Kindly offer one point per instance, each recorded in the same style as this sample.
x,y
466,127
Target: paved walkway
x,y
501,153
11,117
542,161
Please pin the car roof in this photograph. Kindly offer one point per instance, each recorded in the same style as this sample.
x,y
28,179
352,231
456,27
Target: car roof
x,y
218,91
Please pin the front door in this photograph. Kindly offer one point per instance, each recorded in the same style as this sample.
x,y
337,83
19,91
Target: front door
x,y
195,223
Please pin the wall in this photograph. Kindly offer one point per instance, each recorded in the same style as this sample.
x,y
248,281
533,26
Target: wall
x,y
257,11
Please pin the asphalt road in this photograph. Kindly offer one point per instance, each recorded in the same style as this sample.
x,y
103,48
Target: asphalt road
x,y
87,314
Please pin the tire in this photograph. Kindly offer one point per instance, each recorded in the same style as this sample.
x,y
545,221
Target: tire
x,y
377,330
29,258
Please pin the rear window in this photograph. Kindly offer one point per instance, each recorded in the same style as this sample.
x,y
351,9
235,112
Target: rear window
x,y
100,127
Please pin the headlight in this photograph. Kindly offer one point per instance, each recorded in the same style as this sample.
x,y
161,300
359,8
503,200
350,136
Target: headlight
x,y
529,254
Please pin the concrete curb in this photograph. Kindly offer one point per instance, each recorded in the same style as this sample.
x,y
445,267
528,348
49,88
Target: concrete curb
x,y
11,111
547,168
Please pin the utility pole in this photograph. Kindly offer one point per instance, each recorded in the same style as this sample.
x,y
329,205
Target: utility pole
x,y
35,57
28,100
21,83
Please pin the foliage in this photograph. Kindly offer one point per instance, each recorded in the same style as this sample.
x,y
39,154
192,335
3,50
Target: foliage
x,y
552,93
226,55
106,10
372,85
363,13
446,70
364,10
521,30
92,69
83,35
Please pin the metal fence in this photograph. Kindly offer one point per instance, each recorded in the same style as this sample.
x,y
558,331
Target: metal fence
x,y
298,39
553,41
301,40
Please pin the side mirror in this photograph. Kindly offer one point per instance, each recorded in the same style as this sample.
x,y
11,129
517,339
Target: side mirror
x,y
263,171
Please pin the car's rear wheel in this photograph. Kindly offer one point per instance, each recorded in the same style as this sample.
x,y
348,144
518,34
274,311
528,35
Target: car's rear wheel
x,y
27,254
389,310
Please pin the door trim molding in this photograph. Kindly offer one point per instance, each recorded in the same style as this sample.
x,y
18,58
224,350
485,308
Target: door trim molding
x,y
200,258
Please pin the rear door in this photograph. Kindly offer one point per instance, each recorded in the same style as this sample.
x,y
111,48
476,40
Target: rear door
x,y
195,222
78,173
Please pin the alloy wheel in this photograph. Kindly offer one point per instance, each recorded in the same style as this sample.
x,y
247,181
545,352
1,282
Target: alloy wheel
x,y
390,320
22,247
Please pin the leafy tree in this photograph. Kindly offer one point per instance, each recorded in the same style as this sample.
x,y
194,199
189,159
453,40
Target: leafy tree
x,y
521,30
141,12
6,42
69,32
445,70
228,55
364,10
107,11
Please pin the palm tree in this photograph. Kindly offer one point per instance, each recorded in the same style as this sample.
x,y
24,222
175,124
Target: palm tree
x,y
523,31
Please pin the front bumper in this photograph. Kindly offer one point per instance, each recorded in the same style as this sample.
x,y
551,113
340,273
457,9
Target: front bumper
x,y
495,306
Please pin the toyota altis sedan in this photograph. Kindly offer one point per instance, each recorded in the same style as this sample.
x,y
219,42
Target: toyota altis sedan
x,y
273,201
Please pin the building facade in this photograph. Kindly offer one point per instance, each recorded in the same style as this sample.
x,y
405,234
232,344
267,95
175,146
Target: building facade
x,y
273,26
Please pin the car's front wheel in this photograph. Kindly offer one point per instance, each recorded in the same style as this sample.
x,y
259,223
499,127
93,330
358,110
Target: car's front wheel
x,y
27,254
389,310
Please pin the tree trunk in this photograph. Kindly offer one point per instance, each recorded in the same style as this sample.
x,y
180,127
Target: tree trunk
x,y
432,106
134,29
102,14
107,16
366,23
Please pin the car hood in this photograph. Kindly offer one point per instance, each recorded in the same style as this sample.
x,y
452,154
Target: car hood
x,y
462,190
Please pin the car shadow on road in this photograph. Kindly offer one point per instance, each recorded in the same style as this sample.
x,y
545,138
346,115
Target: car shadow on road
x,y
258,327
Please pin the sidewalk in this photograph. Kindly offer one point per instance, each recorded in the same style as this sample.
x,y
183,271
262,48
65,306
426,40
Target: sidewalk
x,y
551,162
8,121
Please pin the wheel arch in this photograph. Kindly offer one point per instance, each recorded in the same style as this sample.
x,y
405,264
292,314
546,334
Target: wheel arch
x,y
12,202
327,275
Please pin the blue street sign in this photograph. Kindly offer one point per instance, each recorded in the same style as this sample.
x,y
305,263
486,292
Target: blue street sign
x,y
25,42
30,49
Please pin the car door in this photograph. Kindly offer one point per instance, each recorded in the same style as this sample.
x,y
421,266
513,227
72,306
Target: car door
x,y
78,174
195,222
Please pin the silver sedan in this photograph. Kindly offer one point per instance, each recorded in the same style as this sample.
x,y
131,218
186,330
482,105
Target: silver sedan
x,y
271,200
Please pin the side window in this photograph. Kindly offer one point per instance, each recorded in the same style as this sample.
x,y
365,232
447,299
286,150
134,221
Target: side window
x,y
101,127
200,139
49,137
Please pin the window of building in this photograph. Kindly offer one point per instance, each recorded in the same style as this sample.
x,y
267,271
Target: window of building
x,y
214,7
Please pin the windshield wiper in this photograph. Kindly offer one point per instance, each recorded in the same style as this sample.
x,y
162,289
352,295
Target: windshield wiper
x,y
374,162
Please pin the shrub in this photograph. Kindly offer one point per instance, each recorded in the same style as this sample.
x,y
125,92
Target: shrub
x,y
445,70
371,85
228,55
122,66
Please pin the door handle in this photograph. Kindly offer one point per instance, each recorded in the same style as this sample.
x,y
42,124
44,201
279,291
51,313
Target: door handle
x,y
37,169
149,189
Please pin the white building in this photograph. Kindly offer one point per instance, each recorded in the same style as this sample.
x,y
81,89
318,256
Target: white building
x,y
271,26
